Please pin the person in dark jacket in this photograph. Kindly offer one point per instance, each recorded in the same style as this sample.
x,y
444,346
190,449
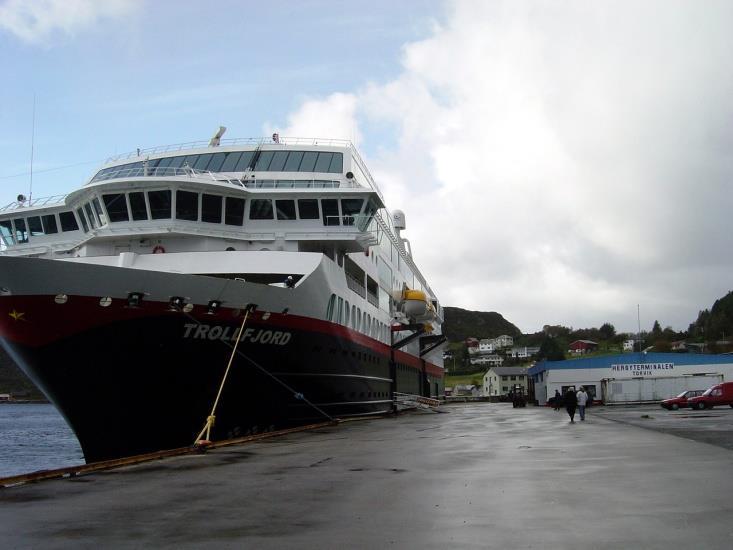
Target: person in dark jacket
x,y
571,402
557,400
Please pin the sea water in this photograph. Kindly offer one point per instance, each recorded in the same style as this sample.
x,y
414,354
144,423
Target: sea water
x,y
35,437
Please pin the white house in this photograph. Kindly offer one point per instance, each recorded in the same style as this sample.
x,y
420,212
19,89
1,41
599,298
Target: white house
x,y
526,351
628,345
486,345
503,341
500,380
487,360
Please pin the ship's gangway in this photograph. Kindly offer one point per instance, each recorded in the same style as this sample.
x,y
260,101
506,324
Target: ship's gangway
x,y
410,401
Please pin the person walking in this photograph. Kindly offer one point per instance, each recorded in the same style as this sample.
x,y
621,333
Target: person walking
x,y
571,401
557,400
582,399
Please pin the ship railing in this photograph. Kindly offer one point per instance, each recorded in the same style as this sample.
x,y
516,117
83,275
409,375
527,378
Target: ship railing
x,y
142,171
412,401
231,142
355,284
42,201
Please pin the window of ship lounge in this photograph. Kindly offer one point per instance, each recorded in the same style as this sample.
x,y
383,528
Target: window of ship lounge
x,y
116,206
330,209
235,161
68,221
308,209
234,211
285,209
187,206
160,204
260,209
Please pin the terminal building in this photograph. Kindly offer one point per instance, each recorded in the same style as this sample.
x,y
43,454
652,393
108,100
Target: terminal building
x,y
630,377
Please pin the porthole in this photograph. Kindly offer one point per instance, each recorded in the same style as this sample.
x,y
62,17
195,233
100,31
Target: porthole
x,y
188,308
105,301
61,299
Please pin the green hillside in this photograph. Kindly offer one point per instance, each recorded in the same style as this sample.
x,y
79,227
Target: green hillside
x,y
14,381
462,323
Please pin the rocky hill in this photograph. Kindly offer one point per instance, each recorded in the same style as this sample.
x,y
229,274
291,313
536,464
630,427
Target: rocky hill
x,y
13,381
462,323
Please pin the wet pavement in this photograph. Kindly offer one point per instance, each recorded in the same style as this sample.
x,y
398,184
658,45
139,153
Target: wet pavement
x,y
477,476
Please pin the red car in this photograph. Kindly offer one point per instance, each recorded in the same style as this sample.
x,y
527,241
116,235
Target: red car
x,y
720,394
681,400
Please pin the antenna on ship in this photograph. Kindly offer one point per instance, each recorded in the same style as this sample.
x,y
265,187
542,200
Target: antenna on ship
x,y
33,140
216,138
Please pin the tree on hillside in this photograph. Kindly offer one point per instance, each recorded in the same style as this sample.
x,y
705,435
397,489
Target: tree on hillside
x,y
608,331
550,349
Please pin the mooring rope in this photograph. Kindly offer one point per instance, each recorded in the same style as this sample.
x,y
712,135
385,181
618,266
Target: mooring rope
x,y
212,417
235,351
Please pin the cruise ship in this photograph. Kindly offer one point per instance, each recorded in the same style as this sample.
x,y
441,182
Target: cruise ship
x,y
215,289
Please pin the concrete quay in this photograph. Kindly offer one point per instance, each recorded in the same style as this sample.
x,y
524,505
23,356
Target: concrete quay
x,y
477,476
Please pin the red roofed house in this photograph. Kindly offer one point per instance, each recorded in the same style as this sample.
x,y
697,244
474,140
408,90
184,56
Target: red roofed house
x,y
582,346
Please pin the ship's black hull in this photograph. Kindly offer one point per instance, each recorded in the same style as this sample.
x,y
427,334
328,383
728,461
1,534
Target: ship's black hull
x,y
145,382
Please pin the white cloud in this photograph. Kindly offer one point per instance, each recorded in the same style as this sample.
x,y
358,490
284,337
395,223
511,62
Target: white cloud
x,y
562,162
333,117
34,21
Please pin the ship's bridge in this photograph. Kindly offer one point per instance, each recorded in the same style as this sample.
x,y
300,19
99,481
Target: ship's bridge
x,y
242,196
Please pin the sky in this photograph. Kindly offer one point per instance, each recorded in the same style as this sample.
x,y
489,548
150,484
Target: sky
x,y
560,162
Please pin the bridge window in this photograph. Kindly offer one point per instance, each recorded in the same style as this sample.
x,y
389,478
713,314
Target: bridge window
x,y
34,226
84,224
138,207
211,208
164,163
49,224
350,208
21,234
187,206
160,204
285,209
116,207
68,221
6,231
98,210
330,209
260,209
90,215
234,213
308,209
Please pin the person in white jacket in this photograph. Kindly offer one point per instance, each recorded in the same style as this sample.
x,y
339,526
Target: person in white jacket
x,y
582,400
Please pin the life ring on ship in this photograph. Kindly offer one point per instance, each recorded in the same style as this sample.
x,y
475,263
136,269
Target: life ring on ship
x,y
158,250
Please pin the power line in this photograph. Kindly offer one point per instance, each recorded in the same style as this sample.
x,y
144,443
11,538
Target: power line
x,y
50,169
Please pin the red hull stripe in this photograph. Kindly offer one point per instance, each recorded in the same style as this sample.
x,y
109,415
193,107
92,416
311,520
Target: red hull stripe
x,y
38,320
